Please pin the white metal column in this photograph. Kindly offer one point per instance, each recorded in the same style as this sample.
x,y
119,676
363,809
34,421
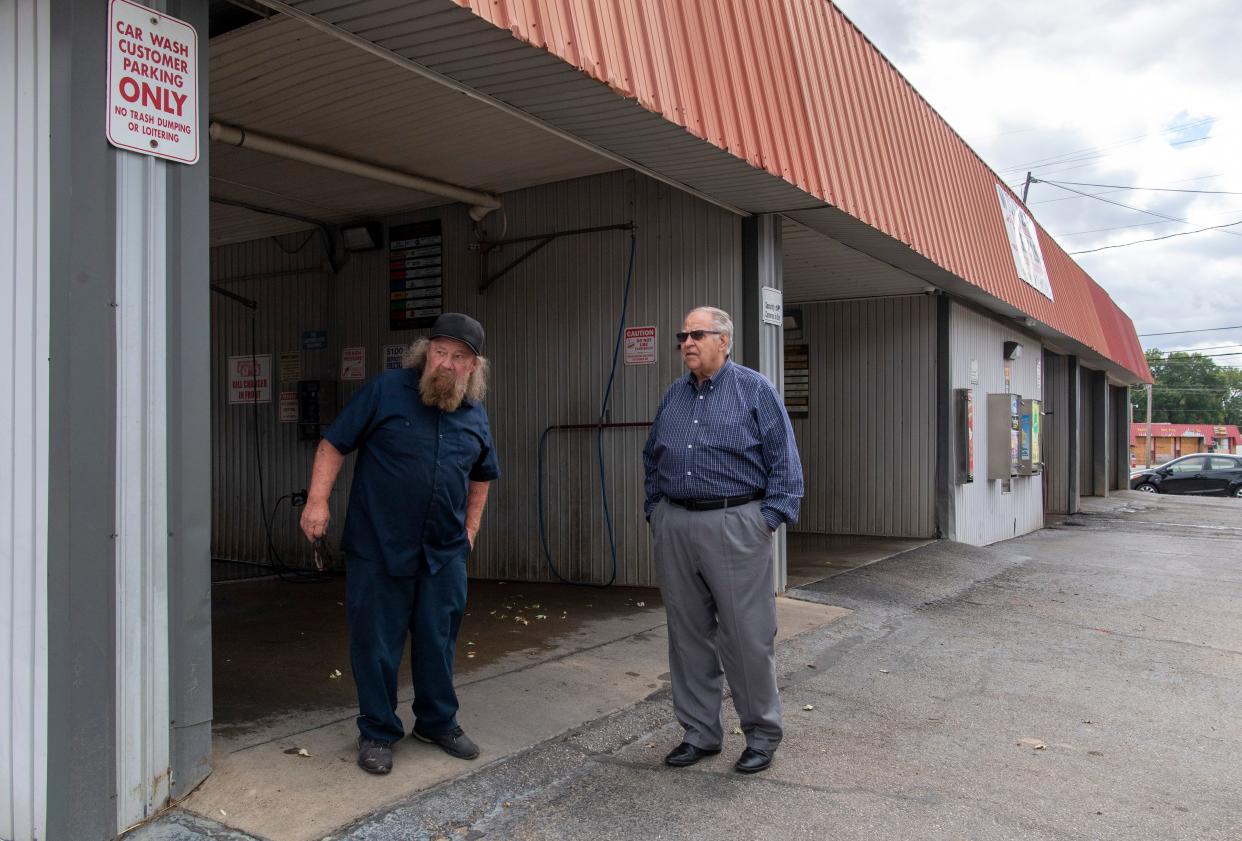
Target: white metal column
x,y
764,344
25,52
142,701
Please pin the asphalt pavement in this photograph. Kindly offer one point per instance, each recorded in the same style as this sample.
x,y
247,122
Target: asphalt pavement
x,y
1083,681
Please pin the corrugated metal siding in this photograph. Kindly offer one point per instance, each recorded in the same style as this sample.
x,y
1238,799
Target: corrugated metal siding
x,y
1057,427
795,89
551,324
24,324
984,514
286,277
818,268
868,445
289,80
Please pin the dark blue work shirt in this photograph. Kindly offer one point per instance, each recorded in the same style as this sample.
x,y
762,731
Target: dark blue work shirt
x,y
727,436
415,463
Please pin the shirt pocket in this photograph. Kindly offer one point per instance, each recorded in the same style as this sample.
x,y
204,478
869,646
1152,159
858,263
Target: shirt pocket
x,y
461,448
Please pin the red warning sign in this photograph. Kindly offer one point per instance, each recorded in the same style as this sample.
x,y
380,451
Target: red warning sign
x,y
640,345
152,83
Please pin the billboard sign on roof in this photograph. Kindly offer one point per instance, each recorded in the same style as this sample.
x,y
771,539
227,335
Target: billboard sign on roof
x,y
1028,257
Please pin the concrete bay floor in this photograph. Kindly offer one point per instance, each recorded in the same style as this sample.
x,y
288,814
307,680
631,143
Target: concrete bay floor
x,y
1080,682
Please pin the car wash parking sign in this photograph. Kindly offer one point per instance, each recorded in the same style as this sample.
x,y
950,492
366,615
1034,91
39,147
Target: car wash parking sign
x,y
152,83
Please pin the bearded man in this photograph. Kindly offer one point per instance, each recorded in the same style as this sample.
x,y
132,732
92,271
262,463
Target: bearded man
x,y
425,461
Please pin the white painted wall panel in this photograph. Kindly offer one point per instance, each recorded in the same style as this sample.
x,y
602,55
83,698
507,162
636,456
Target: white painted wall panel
x,y
985,514
868,445
24,390
551,325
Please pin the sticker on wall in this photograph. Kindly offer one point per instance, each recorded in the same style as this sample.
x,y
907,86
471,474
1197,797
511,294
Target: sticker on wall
x,y
393,354
290,366
797,380
288,407
250,378
640,345
1039,376
974,372
354,363
314,339
415,274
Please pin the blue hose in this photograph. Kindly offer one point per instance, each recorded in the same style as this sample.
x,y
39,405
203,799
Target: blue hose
x,y
599,443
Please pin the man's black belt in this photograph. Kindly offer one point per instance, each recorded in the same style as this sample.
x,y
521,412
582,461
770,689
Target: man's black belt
x,y
713,504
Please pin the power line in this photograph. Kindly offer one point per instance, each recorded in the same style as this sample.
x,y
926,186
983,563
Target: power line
x,y
1069,157
1157,239
1145,189
1198,349
1129,207
1107,192
1200,330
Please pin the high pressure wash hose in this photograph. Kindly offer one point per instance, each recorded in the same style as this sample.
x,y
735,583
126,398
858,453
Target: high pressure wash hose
x,y
599,444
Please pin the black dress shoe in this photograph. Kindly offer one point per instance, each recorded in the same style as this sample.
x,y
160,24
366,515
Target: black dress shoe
x,y
687,754
753,760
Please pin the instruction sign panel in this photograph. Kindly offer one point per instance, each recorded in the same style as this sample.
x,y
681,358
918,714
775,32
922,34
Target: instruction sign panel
x,y
290,366
772,309
288,407
640,345
250,378
152,83
415,274
393,354
354,363
314,339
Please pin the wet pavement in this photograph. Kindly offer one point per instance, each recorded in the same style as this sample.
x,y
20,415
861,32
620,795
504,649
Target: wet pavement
x,y
277,644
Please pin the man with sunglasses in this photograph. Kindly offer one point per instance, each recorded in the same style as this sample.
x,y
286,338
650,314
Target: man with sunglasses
x,y
722,474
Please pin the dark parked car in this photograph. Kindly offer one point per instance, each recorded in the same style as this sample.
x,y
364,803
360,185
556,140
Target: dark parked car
x,y
1203,474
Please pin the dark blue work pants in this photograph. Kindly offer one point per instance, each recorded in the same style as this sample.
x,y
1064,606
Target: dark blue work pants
x,y
383,609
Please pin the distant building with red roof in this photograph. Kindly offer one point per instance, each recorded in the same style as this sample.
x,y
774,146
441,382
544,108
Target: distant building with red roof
x,y
1180,439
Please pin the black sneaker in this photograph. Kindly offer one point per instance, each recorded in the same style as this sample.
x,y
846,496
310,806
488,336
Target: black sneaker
x,y
455,743
374,757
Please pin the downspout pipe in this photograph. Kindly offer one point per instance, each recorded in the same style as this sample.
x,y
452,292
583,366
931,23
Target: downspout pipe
x,y
480,203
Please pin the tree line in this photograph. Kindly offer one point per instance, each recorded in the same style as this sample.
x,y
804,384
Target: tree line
x,y
1189,388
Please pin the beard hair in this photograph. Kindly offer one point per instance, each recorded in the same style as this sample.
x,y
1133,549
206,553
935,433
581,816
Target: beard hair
x,y
442,390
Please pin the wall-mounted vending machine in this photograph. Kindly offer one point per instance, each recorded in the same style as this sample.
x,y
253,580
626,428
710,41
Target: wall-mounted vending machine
x,y
965,436
1004,435
1030,459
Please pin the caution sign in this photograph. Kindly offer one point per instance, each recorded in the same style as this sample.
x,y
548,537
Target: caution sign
x,y
250,378
640,345
152,83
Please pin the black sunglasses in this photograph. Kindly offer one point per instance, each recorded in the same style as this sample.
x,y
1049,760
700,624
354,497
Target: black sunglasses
x,y
697,335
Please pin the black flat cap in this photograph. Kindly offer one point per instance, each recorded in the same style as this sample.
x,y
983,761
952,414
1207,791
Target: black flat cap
x,y
459,326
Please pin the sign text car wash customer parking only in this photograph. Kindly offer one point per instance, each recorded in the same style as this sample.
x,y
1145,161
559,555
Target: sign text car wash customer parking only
x,y
152,83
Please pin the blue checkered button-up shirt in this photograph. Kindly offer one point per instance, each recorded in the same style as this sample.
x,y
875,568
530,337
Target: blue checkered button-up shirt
x,y
727,436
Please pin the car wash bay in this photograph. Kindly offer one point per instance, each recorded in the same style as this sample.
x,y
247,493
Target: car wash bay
x,y
314,273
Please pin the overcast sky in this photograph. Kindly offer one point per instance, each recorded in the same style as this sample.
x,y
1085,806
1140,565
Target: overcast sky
x,y
1134,93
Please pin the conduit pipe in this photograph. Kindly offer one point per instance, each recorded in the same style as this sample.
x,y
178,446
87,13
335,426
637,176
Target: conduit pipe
x,y
480,203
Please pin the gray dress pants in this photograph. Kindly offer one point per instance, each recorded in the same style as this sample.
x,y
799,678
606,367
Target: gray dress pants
x,y
715,571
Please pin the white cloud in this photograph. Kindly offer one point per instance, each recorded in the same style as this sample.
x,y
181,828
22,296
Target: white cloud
x,y
1027,84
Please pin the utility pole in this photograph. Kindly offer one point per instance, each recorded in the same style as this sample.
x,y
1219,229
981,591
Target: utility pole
x,y
1150,455
1026,188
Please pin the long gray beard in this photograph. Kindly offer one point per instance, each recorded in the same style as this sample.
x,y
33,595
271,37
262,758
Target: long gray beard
x,y
442,390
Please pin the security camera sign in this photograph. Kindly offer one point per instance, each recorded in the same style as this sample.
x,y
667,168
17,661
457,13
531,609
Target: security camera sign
x,y
152,83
